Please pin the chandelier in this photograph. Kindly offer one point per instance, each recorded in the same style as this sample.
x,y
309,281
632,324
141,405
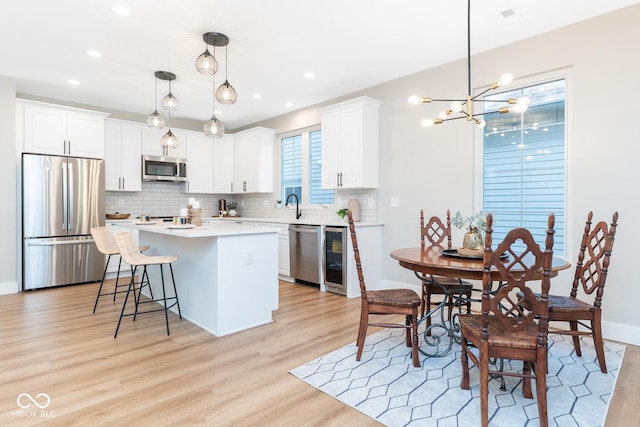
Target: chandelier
x,y
207,64
464,108
169,103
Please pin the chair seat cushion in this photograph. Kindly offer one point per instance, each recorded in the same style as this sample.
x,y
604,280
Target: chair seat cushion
x,y
562,304
499,337
394,298
447,285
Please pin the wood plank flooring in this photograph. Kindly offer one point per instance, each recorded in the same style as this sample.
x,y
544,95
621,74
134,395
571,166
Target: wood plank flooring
x,y
51,343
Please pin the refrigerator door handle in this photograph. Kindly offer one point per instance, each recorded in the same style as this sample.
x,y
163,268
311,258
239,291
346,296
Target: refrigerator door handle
x,y
65,200
69,190
60,242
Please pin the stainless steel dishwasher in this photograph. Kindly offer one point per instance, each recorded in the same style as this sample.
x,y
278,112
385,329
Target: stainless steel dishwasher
x,y
304,253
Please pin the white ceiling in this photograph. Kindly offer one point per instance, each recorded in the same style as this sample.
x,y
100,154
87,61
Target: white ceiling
x,y
348,44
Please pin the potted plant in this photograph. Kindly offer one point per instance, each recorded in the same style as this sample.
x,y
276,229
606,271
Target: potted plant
x,y
475,223
232,206
342,213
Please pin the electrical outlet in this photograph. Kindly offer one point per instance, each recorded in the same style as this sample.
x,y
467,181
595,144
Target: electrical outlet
x,y
370,202
249,258
395,202
265,203
120,202
242,203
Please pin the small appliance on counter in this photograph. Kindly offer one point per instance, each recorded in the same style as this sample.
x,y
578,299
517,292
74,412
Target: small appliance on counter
x,y
222,207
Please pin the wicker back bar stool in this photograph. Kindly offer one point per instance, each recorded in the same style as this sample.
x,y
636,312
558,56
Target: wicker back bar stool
x,y
130,253
107,246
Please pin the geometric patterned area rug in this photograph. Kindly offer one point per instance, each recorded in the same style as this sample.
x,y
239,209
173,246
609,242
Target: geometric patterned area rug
x,y
385,386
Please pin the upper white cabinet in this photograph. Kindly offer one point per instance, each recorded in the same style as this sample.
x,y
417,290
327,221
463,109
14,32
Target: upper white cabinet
x,y
123,156
243,162
253,161
199,163
350,144
223,164
151,142
57,130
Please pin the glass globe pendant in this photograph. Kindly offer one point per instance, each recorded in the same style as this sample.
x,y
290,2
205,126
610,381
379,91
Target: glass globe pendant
x,y
206,63
155,120
213,128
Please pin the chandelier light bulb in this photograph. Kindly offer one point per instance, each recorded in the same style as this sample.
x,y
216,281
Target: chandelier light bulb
x,y
480,123
505,79
427,123
456,106
414,100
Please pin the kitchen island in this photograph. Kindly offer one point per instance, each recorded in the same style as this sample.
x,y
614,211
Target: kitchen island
x,y
227,274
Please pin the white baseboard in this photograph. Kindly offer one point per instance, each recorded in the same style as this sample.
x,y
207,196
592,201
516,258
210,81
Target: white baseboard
x,y
611,331
9,288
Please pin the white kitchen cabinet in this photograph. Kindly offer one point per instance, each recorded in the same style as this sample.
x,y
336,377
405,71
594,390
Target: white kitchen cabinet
x,y
283,246
123,156
151,142
223,164
199,163
253,161
57,130
350,144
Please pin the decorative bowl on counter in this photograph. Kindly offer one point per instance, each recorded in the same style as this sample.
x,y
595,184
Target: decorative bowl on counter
x,y
118,216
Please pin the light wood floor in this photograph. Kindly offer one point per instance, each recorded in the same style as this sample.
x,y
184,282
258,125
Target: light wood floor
x,y
51,343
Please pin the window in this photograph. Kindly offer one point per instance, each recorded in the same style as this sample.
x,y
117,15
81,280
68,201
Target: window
x,y
523,157
300,174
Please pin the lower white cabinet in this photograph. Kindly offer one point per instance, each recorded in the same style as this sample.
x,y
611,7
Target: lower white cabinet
x,y
283,246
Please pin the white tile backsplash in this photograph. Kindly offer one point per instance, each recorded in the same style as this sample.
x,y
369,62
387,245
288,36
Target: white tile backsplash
x,y
167,198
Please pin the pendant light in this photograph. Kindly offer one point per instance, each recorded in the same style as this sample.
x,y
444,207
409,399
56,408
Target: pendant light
x,y
213,128
207,63
168,140
155,120
226,94
170,102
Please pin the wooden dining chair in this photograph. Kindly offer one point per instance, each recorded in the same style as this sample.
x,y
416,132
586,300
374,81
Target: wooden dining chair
x,y
436,234
590,276
385,302
513,323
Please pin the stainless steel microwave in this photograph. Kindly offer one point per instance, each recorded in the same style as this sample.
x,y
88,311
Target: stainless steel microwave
x,y
160,168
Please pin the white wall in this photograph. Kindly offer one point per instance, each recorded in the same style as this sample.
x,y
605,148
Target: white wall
x,y
433,168
8,178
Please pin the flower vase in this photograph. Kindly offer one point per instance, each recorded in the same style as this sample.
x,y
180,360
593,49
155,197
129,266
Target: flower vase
x,y
473,239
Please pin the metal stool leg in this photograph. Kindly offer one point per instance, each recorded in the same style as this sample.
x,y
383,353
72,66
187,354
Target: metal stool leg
x,y
124,305
175,290
104,274
164,300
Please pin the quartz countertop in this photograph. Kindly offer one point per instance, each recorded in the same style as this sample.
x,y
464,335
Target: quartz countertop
x,y
217,229
309,221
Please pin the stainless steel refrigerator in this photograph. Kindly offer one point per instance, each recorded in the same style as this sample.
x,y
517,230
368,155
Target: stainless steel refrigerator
x,y
62,199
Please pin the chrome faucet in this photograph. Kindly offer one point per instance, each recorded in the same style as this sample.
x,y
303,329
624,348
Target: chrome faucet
x,y
286,203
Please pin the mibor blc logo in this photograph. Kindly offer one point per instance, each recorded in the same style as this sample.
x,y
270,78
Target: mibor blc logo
x,y
32,407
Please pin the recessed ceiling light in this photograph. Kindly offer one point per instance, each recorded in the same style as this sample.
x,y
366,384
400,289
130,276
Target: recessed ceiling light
x,y
510,15
288,104
257,96
309,74
120,10
73,82
94,53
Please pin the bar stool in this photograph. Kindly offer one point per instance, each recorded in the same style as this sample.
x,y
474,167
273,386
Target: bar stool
x,y
107,246
130,253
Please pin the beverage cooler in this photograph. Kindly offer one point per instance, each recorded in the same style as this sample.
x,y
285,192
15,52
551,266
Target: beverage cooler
x,y
334,262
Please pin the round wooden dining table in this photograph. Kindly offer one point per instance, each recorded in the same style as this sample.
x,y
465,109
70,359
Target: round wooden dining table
x,y
439,262
433,260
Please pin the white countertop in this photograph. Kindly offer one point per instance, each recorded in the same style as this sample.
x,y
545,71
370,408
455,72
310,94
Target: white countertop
x,y
206,230
240,219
